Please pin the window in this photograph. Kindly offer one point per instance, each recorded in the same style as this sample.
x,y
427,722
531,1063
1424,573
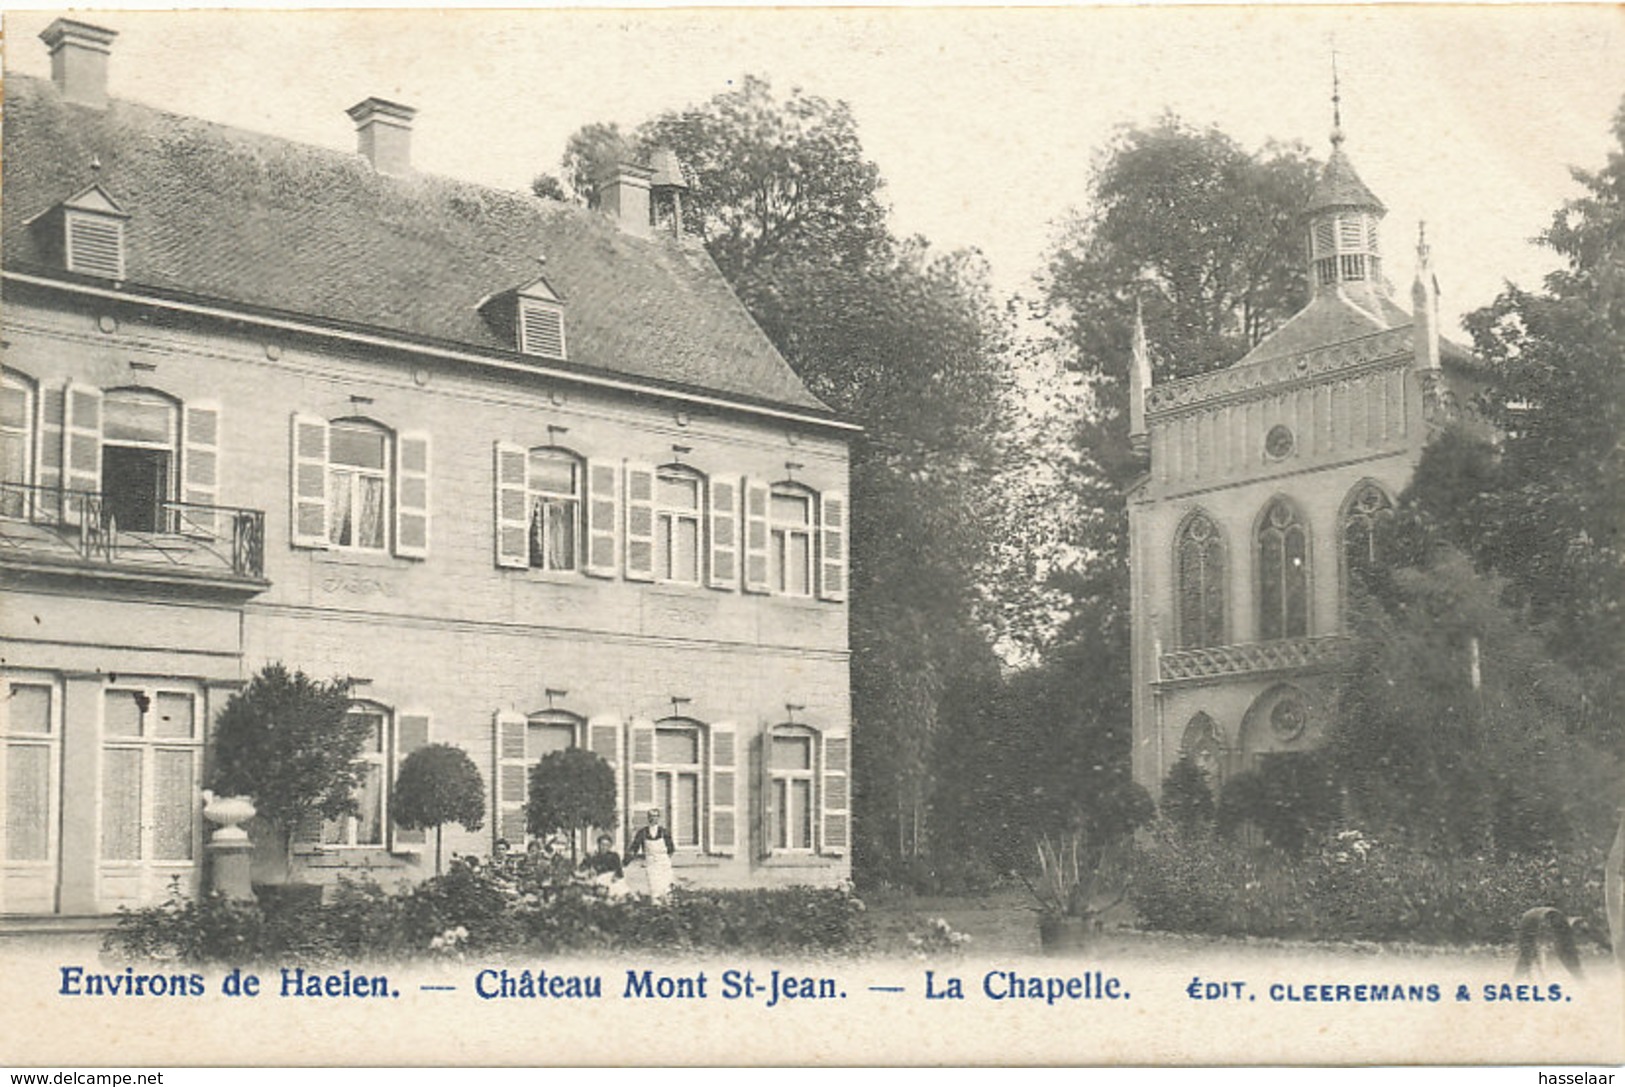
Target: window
x,y
677,775
17,400
1352,266
1201,583
792,810
555,509
1283,573
522,742
31,730
151,745
677,524
791,548
1326,271
358,486
1365,516
140,436
541,328
366,828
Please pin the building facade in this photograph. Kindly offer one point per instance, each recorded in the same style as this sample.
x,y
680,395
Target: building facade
x,y
526,473
1267,485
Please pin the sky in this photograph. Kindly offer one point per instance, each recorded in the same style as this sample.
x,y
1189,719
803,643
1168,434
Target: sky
x,y
985,123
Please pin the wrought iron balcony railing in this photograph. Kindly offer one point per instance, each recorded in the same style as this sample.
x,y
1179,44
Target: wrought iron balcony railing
x,y
1287,654
188,537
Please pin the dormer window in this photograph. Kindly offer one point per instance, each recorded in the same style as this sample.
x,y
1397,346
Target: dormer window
x,y
532,315
86,232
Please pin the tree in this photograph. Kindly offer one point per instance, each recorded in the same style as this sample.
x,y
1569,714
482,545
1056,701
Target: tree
x,y
1187,799
438,784
1290,797
290,743
904,339
570,790
1553,523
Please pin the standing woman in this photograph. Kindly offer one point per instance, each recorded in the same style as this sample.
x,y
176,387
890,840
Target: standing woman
x,y
653,843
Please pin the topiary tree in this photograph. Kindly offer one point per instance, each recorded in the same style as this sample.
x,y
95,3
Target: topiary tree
x,y
570,790
438,784
1187,801
290,743
1291,798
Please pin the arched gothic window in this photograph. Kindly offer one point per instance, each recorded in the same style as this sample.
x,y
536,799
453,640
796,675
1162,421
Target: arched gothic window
x,y
1283,573
1368,510
1201,583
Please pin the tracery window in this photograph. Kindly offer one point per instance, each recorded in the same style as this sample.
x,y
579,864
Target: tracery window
x,y
1283,573
1201,583
1365,516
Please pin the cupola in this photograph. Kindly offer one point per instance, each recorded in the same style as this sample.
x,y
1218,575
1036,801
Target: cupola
x,y
1344,216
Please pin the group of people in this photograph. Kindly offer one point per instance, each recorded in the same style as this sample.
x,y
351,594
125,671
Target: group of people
x,y
652,844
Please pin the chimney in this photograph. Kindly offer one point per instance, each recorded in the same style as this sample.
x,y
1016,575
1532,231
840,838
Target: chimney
x,y
383,133
624,194
79,53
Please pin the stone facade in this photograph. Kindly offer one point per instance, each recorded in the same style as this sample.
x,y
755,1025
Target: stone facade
x,y
1264,481
506,553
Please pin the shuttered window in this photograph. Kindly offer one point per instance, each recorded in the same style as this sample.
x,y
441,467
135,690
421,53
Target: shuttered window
x,y
355,485
541,329
95,245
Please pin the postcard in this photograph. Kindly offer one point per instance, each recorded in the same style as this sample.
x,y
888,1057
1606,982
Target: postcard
x,y
813,536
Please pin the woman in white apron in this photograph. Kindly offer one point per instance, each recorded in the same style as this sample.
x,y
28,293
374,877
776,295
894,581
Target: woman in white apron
x,y
653,843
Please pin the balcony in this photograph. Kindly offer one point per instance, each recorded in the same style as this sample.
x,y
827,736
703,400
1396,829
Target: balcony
x,y
1251,658
53,531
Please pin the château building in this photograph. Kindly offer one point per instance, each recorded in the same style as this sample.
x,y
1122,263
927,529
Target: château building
x,y
525,472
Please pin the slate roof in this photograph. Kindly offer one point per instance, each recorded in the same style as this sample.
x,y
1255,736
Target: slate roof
x,y
1340,187
1332,319
241,217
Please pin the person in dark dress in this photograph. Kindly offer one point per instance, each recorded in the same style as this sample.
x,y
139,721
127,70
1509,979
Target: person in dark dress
x,y
605,862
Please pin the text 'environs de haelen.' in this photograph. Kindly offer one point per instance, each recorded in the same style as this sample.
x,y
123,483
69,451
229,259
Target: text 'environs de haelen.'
x,y
769,988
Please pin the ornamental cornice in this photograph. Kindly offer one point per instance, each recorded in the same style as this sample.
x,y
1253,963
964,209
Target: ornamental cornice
x,y
1262,379
1217,662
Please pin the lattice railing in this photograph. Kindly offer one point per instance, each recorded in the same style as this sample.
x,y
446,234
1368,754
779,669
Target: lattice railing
x,y
1288,654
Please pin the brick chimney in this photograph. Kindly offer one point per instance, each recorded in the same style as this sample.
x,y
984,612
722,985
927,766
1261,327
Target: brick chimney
x,y
623,193
79,53
383,133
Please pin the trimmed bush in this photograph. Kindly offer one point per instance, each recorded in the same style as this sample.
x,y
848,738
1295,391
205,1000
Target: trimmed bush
x,y
473,909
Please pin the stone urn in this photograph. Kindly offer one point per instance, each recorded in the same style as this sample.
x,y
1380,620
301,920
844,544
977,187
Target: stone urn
x,y
228,813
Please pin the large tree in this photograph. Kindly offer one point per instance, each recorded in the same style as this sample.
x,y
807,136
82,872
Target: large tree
x,y
1549,512
904,339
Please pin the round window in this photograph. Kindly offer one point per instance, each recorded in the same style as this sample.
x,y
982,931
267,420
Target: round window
x,y
1278,442
1287,718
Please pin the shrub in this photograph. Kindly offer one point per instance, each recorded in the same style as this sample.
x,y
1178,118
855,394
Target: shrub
x,y
543,909
570,790
438,784
1291,798
1187,800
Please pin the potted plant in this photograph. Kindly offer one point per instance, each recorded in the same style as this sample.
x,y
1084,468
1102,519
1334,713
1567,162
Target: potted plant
x,y
1072,872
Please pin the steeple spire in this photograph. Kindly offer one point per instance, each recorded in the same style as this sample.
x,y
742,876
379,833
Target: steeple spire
x,y
1139,380
1425,305
1337,105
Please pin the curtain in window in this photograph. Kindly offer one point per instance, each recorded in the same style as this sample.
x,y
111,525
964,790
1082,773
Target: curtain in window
x,y
172,805
370,527
28,768
121,804
553,534
340,529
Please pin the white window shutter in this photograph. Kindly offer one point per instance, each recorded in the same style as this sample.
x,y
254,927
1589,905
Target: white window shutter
x,y
641,791
640,522
724,533
768,824
510,777
200,468
510,468
724,788
411,733
81,446
604,740
308,480
412,495
832,546
603,511
757,536
48,456
835,796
